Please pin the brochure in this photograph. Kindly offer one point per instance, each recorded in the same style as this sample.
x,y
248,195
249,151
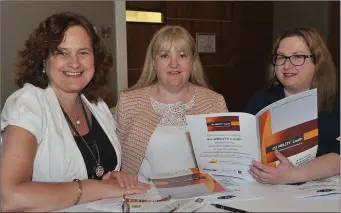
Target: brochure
x,y
188,183
315,188
226,143
310,189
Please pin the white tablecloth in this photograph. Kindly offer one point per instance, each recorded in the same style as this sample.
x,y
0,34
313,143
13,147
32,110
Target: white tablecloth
x,y
252,197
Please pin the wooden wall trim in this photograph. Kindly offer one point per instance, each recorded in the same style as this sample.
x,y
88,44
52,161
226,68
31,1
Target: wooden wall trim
x,y
195,19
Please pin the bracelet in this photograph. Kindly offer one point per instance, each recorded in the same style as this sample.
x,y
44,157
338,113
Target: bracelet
x,y
79,190
133,200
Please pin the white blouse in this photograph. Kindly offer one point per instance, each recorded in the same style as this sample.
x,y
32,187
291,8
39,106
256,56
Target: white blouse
x,y
169,148
57,158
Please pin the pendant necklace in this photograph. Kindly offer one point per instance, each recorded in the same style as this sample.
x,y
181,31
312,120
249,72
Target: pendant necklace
x,y
78,122
99,170
77,119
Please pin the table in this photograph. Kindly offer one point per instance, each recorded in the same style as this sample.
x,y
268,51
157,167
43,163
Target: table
x,y
256,197
321,204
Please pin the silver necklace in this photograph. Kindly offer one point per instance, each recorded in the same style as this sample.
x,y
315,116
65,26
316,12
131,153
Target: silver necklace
x,y
99,170
75,117
78,122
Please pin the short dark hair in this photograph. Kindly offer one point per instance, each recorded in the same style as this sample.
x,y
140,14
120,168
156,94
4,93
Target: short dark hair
x,y
44,41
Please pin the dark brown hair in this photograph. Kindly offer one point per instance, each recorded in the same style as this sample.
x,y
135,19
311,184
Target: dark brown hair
x,y
44,41
325,77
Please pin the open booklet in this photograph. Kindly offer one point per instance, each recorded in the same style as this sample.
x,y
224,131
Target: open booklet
x,y
177,191
226,143
182,184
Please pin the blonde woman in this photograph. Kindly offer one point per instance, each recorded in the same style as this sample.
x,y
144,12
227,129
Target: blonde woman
x,y
301,61
150,116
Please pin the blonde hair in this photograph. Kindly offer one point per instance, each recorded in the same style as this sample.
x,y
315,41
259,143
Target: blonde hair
x,y
325,76
163,39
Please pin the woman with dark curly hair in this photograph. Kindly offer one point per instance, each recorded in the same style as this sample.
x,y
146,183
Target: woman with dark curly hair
x,y
58,145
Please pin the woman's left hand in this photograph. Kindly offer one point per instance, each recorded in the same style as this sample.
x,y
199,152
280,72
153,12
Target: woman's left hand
x,y
124,179
282,174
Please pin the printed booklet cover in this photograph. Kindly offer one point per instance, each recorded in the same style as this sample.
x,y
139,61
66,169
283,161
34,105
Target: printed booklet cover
x,y
182,184
226,143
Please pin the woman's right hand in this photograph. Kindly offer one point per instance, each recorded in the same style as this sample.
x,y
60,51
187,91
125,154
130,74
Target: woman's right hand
x,y
111,188
124,179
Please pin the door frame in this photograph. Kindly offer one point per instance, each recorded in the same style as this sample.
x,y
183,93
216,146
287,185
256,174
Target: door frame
x,y
120,46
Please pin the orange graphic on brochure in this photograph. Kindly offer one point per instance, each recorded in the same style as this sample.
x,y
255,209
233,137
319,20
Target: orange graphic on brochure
x,y
191,179
223,123
289,141
213,161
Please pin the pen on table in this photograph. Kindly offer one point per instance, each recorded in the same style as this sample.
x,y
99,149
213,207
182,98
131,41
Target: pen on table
x,y
231,209
325,190
296,184
226,197
175,208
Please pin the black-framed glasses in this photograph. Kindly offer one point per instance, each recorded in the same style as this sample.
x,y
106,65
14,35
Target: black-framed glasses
x,y
296,60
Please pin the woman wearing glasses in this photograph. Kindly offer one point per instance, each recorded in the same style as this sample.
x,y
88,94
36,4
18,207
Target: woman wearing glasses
x,y
301,61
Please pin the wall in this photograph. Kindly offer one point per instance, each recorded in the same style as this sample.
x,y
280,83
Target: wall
x,y
1,101
243,33
289,14
121,47
334,37
19,18
321,15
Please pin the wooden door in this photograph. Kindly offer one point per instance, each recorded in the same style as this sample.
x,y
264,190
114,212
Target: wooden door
x,y
334,37
243,33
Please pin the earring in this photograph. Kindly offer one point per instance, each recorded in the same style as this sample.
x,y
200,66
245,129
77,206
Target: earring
x,y
43,70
